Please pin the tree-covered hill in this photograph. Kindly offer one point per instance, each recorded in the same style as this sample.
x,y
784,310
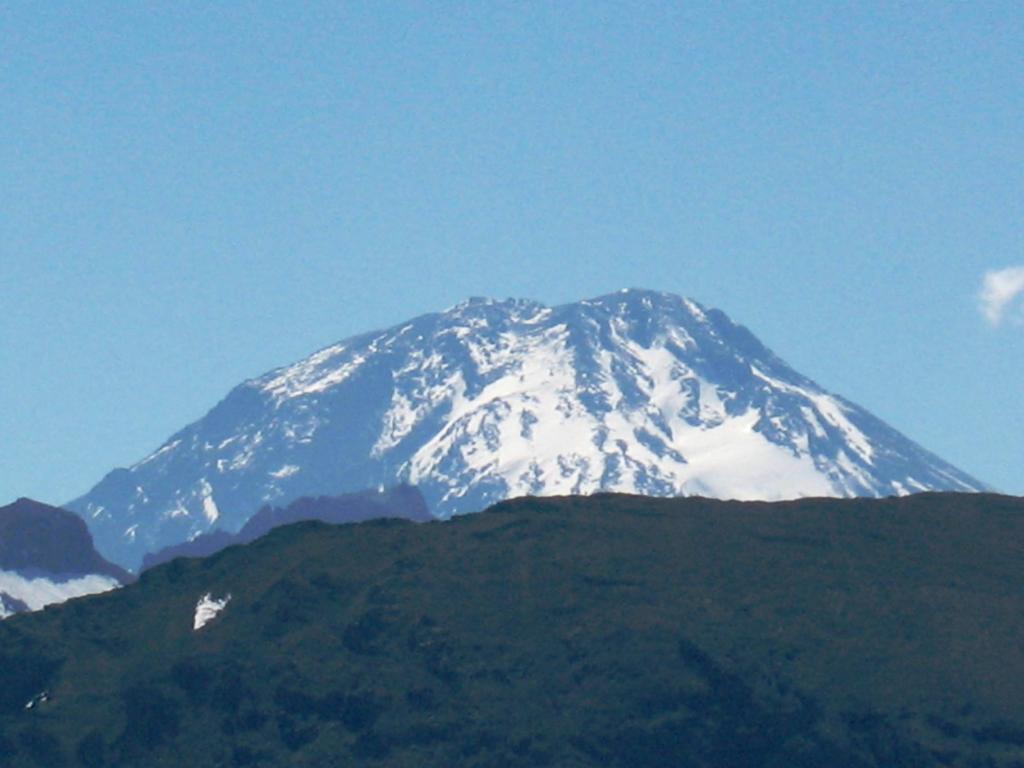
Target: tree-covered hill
x,y
600,631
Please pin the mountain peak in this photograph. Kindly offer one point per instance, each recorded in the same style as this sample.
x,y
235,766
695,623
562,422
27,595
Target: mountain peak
x,y
507,304
649,295
639,391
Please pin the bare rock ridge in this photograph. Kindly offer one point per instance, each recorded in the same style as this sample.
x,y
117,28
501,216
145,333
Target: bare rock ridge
x,y
637,391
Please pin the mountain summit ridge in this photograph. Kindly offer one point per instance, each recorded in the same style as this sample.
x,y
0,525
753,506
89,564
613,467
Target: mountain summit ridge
x,y
637,391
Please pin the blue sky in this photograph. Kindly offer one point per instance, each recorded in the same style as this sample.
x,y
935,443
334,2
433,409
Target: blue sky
x,y
192,195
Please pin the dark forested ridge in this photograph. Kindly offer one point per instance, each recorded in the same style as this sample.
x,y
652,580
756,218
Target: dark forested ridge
x,y
601,631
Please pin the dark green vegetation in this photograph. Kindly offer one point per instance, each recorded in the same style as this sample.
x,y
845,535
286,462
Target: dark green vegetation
x,y
609,631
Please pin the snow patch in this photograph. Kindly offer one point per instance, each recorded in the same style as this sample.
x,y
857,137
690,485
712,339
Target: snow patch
x,y
178,510
157,454
39,698
39,592
831,410
210,509
244,457
207,609
317,373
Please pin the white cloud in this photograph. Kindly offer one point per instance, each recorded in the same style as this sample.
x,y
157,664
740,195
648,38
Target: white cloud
x,y
999,289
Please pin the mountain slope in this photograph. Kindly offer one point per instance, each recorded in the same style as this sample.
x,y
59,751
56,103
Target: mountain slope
x,y
46,557
403,502
608,631
638,391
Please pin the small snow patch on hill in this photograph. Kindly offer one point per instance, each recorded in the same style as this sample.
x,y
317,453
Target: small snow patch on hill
x,y
207,609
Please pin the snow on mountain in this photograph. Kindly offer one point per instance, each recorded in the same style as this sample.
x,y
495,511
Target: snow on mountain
x,y
637,391
34,593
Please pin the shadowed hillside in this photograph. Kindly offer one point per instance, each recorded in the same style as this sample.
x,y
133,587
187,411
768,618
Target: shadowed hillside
x,y
602,631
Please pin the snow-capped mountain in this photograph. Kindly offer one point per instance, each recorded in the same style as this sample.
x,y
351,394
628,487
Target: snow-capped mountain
x,y
47,557
637,391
